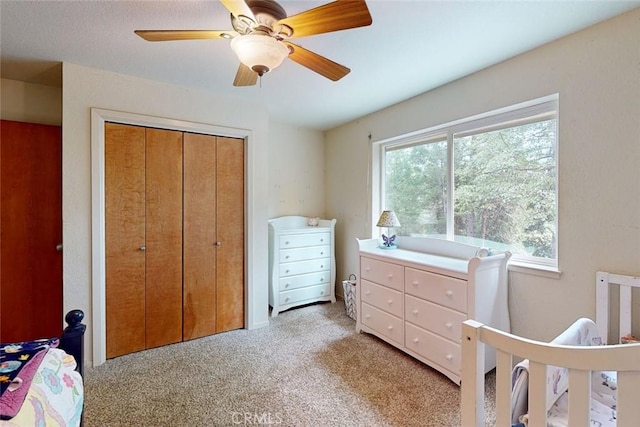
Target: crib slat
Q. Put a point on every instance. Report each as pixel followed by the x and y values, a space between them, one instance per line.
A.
pixel 472 387
pixel 503 388
pixel 537 394
pixel 627 400
pixel 602 306
pixel 625 311
pixel 579 397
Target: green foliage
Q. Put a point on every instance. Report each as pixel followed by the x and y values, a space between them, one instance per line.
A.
pixel 504 187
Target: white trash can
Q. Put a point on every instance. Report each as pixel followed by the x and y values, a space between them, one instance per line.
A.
pixel 349 292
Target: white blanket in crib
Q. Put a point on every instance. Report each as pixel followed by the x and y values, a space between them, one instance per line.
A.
pixel 582 332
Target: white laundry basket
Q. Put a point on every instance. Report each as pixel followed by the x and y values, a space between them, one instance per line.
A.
pixel 349 292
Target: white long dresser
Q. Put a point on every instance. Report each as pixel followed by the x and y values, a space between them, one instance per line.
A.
pixel 417 296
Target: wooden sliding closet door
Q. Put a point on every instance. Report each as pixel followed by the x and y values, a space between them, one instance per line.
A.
pixel 174 236
pixel 199 236
pixel 125 238
pixel 163 237
pixel 230 218
pixel 213 235
pixel 143 198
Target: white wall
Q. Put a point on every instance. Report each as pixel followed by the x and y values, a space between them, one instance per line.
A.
pixel 296 171
pixel 84 88
pixel 31 103
pixel 597 74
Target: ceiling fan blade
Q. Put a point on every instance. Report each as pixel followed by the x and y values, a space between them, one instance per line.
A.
pixel 317 63
pixel 238 8
pixel 336 16
pixel 169 35
pixel 245 76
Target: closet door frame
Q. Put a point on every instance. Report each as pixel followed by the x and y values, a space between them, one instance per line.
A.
pixel 98 243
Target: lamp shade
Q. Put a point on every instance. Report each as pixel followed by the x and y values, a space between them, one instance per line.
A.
pixel 388 219
pixel 261 53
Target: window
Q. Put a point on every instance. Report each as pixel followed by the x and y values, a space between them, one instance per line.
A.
pixel 490 181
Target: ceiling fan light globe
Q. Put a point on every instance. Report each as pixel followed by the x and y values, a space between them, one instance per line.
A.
pixel 261 53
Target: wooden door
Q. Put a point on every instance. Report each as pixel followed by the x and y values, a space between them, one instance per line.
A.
pixel 163 237
pixel 31 224
pixel 213 235
pixel 199 285
pixel 187 193
pixel 230 233
pixel 125 238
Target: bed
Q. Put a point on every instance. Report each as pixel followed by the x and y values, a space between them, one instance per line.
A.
pixel 573 380
pixel 41 381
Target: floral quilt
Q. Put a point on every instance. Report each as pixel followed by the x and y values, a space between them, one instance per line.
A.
pixel 55 397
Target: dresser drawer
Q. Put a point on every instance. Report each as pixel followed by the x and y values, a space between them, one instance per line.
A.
pixel 302 294
pixel 301 254
pixel 383 273
pixel 303 267
pixel 300 240
pixel 294 282
pixel 443 290
pixel 435 318
pixel 382 322
pixel 381 297
pixel 433 347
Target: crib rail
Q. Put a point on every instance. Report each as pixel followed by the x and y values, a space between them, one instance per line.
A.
pixel 580 361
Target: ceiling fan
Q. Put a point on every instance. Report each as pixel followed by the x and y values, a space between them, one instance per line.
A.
pixel 261 29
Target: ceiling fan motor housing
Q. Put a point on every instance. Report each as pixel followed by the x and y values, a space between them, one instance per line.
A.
pixel 266 11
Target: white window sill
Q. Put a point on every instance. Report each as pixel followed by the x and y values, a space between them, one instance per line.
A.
pixel 534 269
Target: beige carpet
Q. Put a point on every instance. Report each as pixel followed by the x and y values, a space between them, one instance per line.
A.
pixel 307 368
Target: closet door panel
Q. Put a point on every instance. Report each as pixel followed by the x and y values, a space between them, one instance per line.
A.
pixel 199 236
pixel 230 219
pixel 163 237
pixel 125 229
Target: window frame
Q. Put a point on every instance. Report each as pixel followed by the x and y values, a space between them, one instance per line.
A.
pixel 515 115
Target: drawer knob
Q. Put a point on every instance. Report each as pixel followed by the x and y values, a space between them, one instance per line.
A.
pixel 286 243
pixel 367 292
pixel 449 294
pixel 322 240
pixel 322 266
pixel 448 357
pixel 287 257
pixel 286 286
pixel 286 271
pixel 390 276
pixel 286 299
pixel 390 327
pixel 322 279
pixel 448 325
pixel 321 292
pixel 321 253
pixel 415 312
pixel 368 316
pixel 367 268
pixel 414 283
pixel 390 302
pixel 415 340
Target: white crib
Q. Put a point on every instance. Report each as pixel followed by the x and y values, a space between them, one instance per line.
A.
pixel 581 361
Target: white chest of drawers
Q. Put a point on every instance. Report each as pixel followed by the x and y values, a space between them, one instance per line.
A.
pixel 416 297
pixel 301 262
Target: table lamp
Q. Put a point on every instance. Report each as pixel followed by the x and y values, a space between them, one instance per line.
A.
pixel 388 219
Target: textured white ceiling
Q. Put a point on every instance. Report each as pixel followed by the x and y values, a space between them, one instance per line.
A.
pixel 411 47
